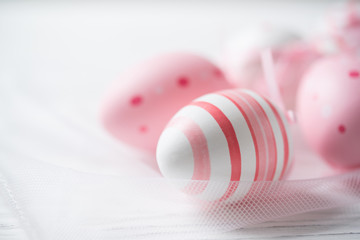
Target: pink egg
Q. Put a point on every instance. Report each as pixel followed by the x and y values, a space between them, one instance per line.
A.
pixel 233 136
pixel 290 67
pixel 241 55
pixel 340 29
pixel 149 94
pixel 329 109
pixel 292 56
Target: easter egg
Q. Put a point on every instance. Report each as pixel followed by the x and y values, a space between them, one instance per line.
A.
pixel 291 55
pixel 137 109
pixel 241 55
pixel 232 136
pixel 339 29
pixel 329 109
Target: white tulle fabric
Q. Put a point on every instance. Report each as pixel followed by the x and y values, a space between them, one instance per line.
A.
pixel 66 179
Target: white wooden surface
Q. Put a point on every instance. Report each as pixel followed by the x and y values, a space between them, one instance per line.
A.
pixel 10 227
pixel 342 223
pixel 52 50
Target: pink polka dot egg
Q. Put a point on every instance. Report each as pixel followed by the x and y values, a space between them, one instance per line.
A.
pixel 233 136
pixel 340 29
pixel 329 109
pixel 148 95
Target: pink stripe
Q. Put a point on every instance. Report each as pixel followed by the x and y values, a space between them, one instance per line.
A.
pixel 230 135
pixel 200 150
pixel 269 133
pixel 284 136
pixel 250 121
pixel 259 136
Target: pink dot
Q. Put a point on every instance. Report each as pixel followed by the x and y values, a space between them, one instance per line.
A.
pixel 218 73
pixel 143 129
pixel 136 100
pixel 281 89
pixel 315 97
pixel 341 128
pixel 354 74
pixel 183 82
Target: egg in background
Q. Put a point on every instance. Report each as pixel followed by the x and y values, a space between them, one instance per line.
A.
pixel 328 107
pixel 137 108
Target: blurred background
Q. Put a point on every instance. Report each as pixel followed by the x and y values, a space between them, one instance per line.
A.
pixel 64 55
pixel 68 52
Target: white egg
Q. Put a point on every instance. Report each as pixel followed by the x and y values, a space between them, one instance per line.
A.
pixel 231 136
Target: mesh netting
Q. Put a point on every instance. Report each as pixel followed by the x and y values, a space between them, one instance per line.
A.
pixel 116 193
pixel 59 203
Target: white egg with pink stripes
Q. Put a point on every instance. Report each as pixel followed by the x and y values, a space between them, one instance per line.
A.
pixel 232 136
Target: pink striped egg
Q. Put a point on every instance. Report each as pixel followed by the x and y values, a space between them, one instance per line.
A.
pixel 233 135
